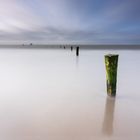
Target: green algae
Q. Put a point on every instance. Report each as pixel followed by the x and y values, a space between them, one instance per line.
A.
pixel 111 63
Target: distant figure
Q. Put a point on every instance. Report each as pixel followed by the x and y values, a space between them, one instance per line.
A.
pixel 71 48
pixel 64 47
pixel 77 51
pixel 31 44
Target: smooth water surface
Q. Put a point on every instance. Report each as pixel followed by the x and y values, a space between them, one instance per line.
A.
pixel 50 94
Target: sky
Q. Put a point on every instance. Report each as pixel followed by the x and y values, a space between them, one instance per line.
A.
pixel 70 21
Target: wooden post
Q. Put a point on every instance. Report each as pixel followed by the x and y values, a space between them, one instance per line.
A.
pixel 71 48
pixel 111 63
pixel 77 51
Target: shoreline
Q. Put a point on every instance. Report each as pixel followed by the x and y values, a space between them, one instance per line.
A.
pixel 88 47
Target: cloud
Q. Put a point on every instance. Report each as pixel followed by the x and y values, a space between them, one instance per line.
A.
pixel 95 21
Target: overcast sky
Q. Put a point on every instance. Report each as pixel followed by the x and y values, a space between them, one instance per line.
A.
pixel 70 21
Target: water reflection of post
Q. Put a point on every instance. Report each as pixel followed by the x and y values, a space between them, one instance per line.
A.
pixel 77 61
pixel 109 116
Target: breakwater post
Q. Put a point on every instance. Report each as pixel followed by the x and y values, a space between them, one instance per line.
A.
pixel 111 64
pixel 77 51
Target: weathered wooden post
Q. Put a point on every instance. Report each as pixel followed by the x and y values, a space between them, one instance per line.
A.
pixel 77 51
pixel 111 63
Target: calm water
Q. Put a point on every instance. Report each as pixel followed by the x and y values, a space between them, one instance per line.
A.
pixel 54 95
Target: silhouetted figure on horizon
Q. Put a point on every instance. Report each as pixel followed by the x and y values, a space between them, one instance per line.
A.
pixel 71 48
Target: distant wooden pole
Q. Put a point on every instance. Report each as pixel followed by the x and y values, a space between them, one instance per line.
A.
pixel 111 63
pixel 71 48
pixel 77 51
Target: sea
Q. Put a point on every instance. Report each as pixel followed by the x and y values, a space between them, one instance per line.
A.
pixel 49 93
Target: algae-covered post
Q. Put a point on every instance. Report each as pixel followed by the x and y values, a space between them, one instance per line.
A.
pixel 77 51
pixel 111 63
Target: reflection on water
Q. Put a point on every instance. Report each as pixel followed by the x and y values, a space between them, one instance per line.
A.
pixel 77 61
pixel 109 116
